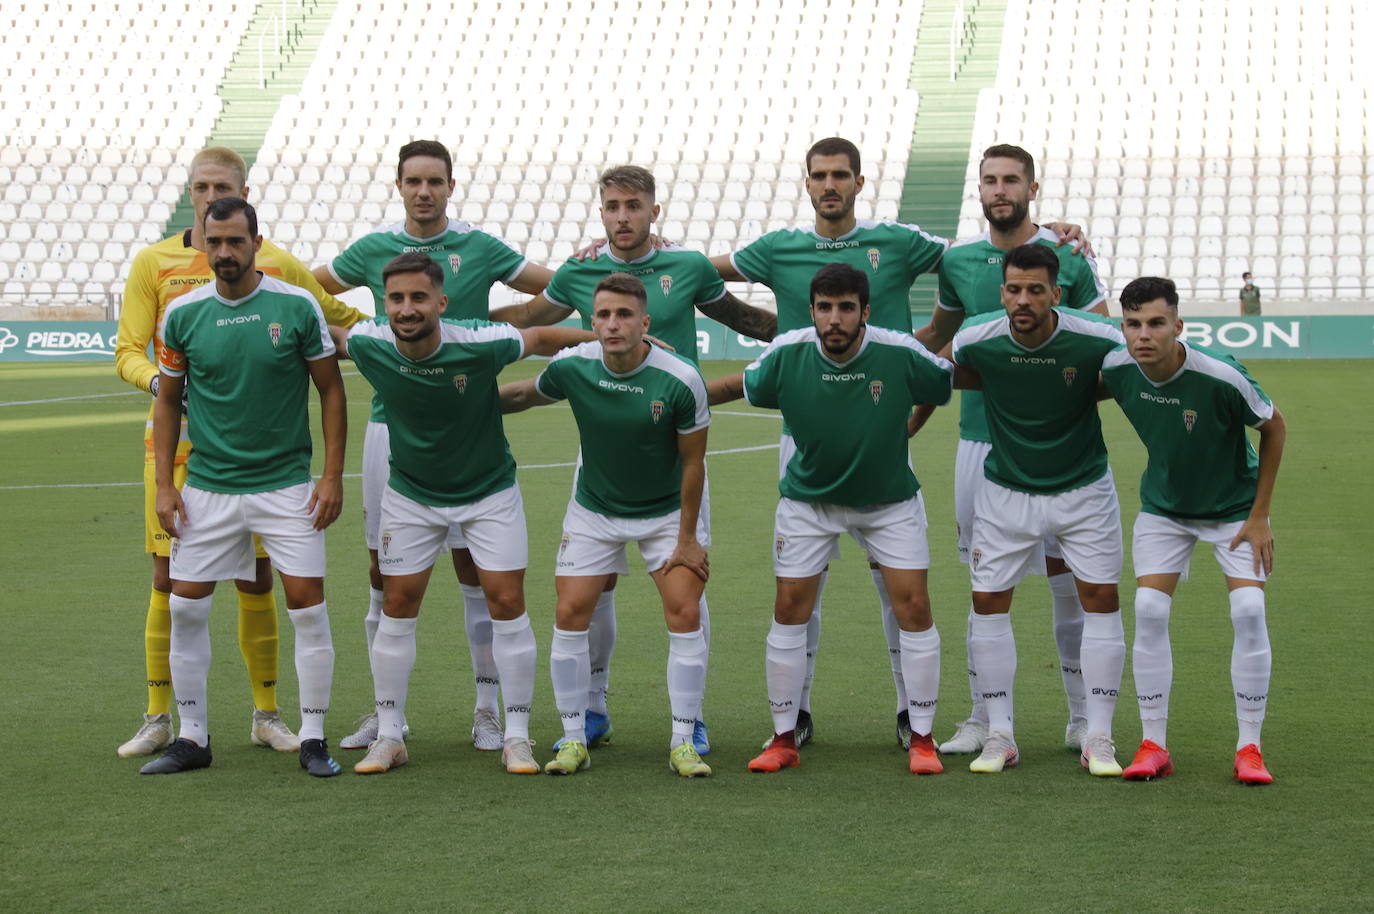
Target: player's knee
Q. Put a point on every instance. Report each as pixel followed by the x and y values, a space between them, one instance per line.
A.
pixel 302 592
pixel 1098 598
pixel 682 616
pixel 464 567
pixel 162 577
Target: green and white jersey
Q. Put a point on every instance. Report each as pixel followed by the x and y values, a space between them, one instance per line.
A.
pixel 245 363
pixel 448 446
pixel 629 426
pixel 1201 465
pixel 890 253
pixel 1041 403
pixel 677 281
pixel 971 282
pixel 848 420
pixel 472 261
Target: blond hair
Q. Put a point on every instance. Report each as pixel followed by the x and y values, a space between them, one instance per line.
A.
pixel 225 158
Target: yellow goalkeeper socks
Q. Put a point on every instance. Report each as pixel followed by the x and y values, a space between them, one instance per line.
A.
pixel 157 643
pixel 259 644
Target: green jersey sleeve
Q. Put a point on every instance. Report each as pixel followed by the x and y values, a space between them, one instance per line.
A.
pixel 503 262
pixel 925 252
pixel 761 376
pixel 548 383
pixel 755 261
pixel 711 286
pixel 350 266
pixel 562 288
pixel 1085 288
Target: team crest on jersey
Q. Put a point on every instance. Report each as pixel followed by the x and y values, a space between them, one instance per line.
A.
pixel 386 542
pixel 1069 374
pixel 875 390
pixel 274 331
pixel 665 283
pixel 563 544
pixel 656 410
pixel 455 263
pixel 874 255
pixel 975 557
pixel 460 381
pixel 1189 419
pixel 778 545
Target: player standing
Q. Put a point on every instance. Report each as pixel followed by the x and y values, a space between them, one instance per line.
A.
pixel 845 390
pixel 1046 475
pixel 472 261
pixel 642 418
pixel 1191 406
pixel 160 273
pixel 249 343
pixel 451 473
pixel 970 282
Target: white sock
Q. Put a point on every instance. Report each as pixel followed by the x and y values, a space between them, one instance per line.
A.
pixel 1152 660
pixel 1104 657
pixel 1251 660
pixel 477 621
pixel 314 666
pixel 190 663
pixel 686 682
pixel 891 631
pixel 512 644
pixel 374 615
pixel 920 656
pixel 1068 637
pixel 813 644
pixel 992 647
pixel 704 618
pixel 570 669
pixel 979 711
pixel 601 645
pixel 393 657
pixel 785 663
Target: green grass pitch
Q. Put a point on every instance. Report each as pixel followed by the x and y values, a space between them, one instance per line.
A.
pixel 848 830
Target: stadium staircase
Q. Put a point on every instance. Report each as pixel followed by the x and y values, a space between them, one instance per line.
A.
pixel 948 85
pixel 272 60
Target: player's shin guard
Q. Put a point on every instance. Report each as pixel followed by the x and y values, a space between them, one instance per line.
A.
pixel 157 642
pixel 785 662
pixel 393 657
pixel 1152 661
pixel 477 621
pixel 813 643
pixel 513 647
pixel 314 666
pixel 190 664
pixel 1068 638
pixel 992 648
pixel 979 709
pixel 1251 660
pixel 375 601
pixel 920 659
pixel 892 632
pixel 260 644
pixel 601 645
pixel 570 669
pixel 686 681
pixel 1104 657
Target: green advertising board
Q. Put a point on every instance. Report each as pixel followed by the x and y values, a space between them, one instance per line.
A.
pixel 1300 337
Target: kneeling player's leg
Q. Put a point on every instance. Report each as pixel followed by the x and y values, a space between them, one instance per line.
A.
pixel 259 638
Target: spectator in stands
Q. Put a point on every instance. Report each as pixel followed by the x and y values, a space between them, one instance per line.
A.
pixel 1249 296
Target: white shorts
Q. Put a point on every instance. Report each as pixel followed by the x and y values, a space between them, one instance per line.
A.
pixel 1009 528
pixel 806 535
pixel 216 542
pixel 413 534
pixel 1164 545
pixel 968 478
pixel 786 449
pixel 595 543
pixel 376 472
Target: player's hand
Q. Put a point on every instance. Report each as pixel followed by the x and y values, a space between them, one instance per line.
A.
pixel 1070 232
pixel 1257 533
pixel 690 555
pixel 655 341
pixel 588 252
pixel 326 502
pixel 171 511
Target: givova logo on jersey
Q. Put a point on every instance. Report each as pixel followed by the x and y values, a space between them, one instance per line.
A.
pixel 875 390
pixel 1189 419
pixel 656 410
pixel 460 382
pixel 274 333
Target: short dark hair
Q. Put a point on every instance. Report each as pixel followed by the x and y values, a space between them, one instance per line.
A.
pixel 1030 257
pixel 414 262
pixel 631 177
pixel 1246 275
pixel 226 207
pixel 1008 151
pixel 431 148
pixel 624 284
pixel 839 279
pixel 834 146
pixel 1146 289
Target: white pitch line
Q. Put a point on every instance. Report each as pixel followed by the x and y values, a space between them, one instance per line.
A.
pixel 129 393
pixel 525 466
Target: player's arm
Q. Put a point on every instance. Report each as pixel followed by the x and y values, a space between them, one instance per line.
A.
pixel 336 313
pixel 327 500
pixel 689 553
pixel 137 324
pixel 171 513
pixel 724 389
pixel 726 268
pixel 746 320
pixel 518 396
pixel 532 279
pixel 939 333
pixel 328 281
pixel 537 312
pixel 548 340
pixel 1256 530
pixel 340 337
